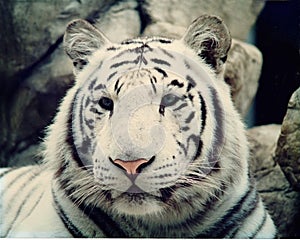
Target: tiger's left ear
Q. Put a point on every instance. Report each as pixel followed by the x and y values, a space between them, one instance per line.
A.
pixel 81 39
pixel 209 37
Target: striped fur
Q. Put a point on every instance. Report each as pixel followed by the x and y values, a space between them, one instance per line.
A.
pixel 159 101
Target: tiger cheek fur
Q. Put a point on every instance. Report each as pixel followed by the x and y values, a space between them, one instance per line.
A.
pixel 147 143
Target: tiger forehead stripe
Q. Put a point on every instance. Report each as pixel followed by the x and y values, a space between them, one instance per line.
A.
pixel 111 75
pixel 175 82
pixel 160 61
pixel 161 71
pixel 191 84
pixel 168 53
pixel 100 86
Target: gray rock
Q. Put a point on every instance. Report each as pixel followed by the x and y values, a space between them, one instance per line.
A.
pixel 280 199
pixel 121 22
pixel 242 72
pixel 176 16
pixel 288 146
pixel 38 25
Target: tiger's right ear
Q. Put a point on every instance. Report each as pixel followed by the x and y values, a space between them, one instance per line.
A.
pixel 81 40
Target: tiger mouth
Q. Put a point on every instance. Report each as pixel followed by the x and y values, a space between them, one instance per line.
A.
pixel 161 195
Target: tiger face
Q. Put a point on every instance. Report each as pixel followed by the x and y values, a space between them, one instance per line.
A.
pixel 145 136
pixel 143 129
pixel 148 115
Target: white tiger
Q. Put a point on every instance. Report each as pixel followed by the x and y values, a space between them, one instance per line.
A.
pixel 146 143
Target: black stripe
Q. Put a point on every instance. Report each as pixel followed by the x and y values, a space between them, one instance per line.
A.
pixel 117 84
pixel 35 204
pixel 175 82
pixel 161 40
pixel 190 117
pixel 89 123
pixel 130 41
pixel 112 48
pixel 166 52
pixel 119 89
pixel 216 148
pixel 7 172
pixel 193 220
pixel 182 147
pixel 15 180
pixel 161 71
pixel 191 83
pixel 160 61
pixel 95 110
pixel 152 80
pixel 21 206
pixel 70 138
pixel 181 106
pixel 25 199
pixel 136 61
pixel 100 86
pixel 199 149
pixel 249 207
pixel 107 225
pixel 80 114
pixel 234 217
pixel 198 144
pixel 91 86
pixel 111 75
pixel 87 102
pixel 73 230
pixel 203 112
pixel 261 224
pixel 185 128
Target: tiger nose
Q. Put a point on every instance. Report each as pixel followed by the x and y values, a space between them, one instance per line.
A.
pixel 133 167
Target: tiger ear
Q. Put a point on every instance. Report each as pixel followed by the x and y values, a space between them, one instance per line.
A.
pixel 210 39
pixel 81 39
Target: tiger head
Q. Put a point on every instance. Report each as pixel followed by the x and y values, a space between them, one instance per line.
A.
pixel 147 119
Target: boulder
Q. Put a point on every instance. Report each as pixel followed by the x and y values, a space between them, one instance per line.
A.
pixel 280 199
pixel 243 67
pixel 287 153
pixel 173 18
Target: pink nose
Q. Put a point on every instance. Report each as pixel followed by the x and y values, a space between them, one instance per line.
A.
pixel 130 166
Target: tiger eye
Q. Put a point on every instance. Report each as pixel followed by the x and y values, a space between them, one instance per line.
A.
pixel 169 100
pixel 106 103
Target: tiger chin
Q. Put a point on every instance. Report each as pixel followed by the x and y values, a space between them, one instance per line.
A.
pixel 146 143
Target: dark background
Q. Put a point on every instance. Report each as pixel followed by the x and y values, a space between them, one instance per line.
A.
pixel 278 38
